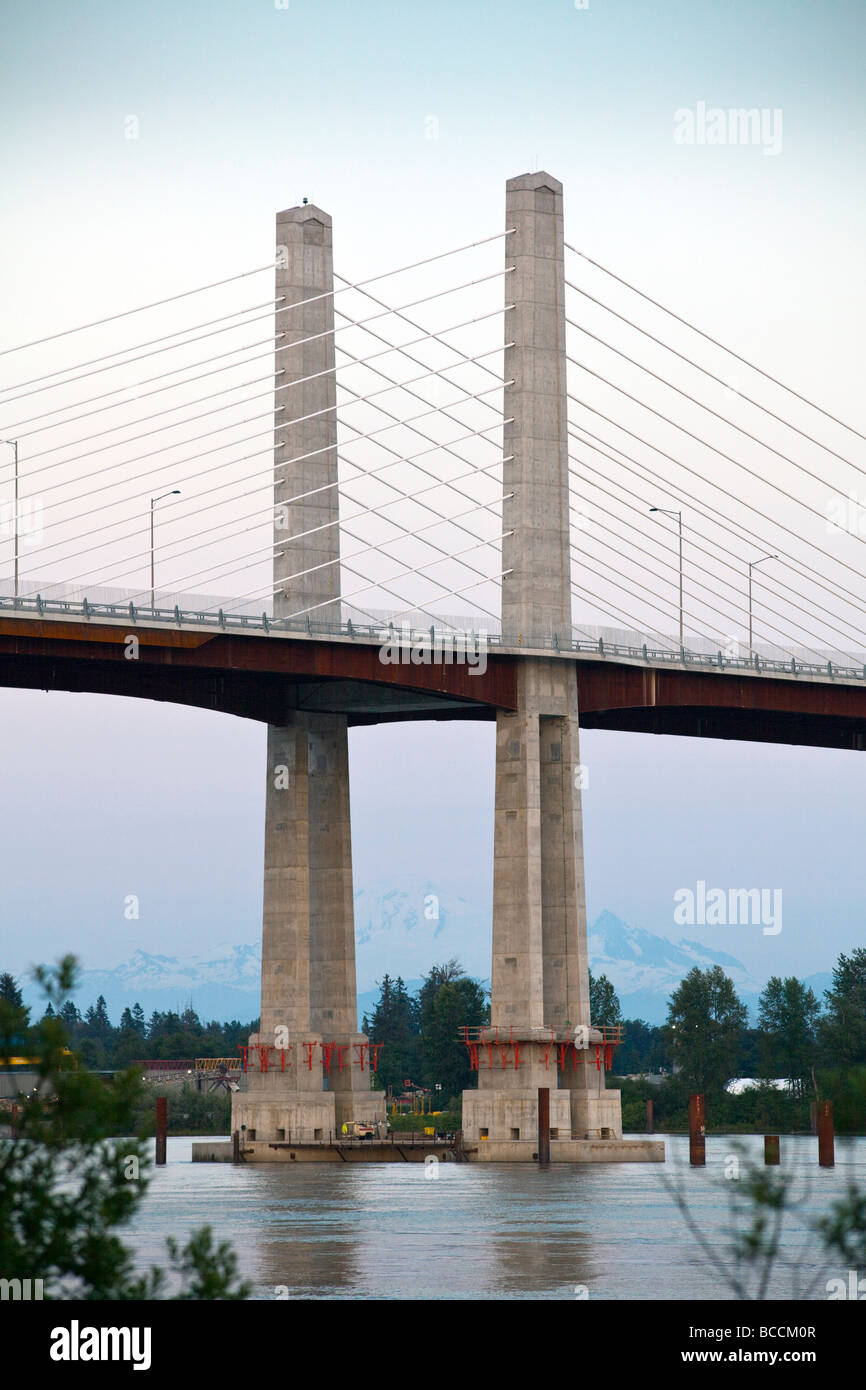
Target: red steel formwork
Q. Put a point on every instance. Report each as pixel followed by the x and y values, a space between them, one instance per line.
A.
pixel 362 1055
pixel 491 1046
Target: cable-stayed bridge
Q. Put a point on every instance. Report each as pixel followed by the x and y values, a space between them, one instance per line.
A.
pixel 499 481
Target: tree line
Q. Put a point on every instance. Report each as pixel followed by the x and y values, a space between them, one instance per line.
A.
pixel 103 1046
pixel 817 1047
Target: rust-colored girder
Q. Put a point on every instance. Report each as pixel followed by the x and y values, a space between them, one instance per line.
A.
pixel 263 677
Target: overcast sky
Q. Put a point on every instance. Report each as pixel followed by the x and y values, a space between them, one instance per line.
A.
pixel 403 121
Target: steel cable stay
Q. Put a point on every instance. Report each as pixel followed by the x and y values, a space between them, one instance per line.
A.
pixel 140 309
pixel 762 443
pixel 694 329
pixel 108 468
pixel 262 554
pixel 612 611
pixel 274 548
pixel 258 270
pixel 141 395
pixel 225 390
pixel 706 372
pixel 268 387
pixel 741 501
pixel 267 475
pixel 785 633
pixel 271 305
pixel 273 589
pixel 694 544
pixel 435 336
pixel 790 496
pixel 789 561
pixel 698 632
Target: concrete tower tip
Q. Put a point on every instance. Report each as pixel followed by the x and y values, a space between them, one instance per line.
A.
pixel 540 179
pixel 305 212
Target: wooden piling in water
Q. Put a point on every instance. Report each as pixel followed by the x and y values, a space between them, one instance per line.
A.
pixel 161 1130
pixel 544 1127
pixel 650 1122
pixel 826 1154
pixel 697 1132
pixel 771 1149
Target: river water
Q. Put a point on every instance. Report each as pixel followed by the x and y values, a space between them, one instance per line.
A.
pixel 489 1231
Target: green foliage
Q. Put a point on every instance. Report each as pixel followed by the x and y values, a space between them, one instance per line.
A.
pixel 446 1122
pixel 604 1007
pixel 67 1183
pixel 421 1035
pixel 706 1022
pixel 447 1000
pixel 189 1111
pixel 643 1048
pixel 787 1024
pixel 843 1027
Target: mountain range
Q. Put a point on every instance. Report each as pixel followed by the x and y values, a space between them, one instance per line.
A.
pixel 403 927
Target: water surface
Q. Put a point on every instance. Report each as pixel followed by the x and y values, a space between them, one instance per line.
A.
pixel 481 1231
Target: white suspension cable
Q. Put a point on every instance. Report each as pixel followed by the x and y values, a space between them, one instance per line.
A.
pixel 125 313
pixel 265 474
pixel 845 594
pixel 718 558
pixel 705 370
pixel 267 304
pixel 715 342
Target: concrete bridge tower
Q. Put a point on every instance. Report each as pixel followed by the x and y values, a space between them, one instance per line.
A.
pixel 308 935
pixel 540 986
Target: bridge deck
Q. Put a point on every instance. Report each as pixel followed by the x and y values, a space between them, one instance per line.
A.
pixel 258 672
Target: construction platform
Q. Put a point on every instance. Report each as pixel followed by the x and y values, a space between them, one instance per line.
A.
pixel 416 1149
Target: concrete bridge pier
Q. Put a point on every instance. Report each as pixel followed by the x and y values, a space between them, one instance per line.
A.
pixel 308 932
pixel 540 984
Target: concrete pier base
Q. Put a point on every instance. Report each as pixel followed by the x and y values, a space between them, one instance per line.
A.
pixel 401 1151
pixel 571 1151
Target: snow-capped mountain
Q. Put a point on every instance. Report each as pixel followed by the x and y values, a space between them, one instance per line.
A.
pixel 645 968
pixel 403 926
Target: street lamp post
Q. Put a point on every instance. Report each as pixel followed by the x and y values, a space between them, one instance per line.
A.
pixel 175 492
pixel 752 564
pixel 679 516
pixel 14 443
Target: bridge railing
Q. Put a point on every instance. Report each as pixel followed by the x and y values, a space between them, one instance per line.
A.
pixel 457 646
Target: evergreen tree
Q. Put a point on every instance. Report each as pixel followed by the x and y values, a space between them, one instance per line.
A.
pixel 705 1027
pixel 71 1019
pixel 66 1185
pixel 97 1022
pixel 9 991
pixel 393 1023
pixel 843 1027
pixel 444 1056
pixel 604 1006
pixel 787 1022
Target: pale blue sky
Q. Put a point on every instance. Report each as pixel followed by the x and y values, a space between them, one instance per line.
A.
pixel 245 108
